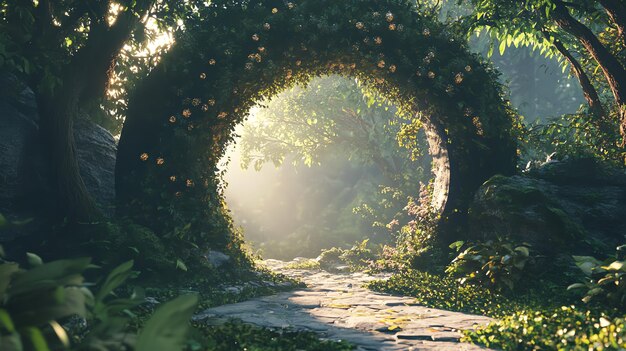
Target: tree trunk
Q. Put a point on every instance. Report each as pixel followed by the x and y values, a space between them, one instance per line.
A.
pixel 58 113
pixel 85 79
pixel 616 9
pixel 589 91
pixel 613 71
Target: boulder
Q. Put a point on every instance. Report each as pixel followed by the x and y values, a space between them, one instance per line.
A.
pixel 575 206
pixel 217 258
pixel 24 180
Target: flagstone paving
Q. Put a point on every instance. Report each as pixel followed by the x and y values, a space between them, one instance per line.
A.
pixel 338 307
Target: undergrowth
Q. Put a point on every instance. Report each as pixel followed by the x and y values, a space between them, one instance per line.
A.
pixel 544 317
pixel 233 336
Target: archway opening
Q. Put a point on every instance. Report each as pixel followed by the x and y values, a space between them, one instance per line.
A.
pixel 326 165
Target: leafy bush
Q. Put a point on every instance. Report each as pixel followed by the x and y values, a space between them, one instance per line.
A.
pixel 494 264
pixel 563 328
pixel 34 302
pixel 359 257
pixel 573 135
pixel 606 280
pixel 444 292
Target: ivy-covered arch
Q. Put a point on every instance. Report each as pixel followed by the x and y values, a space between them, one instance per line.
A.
pixel 233 54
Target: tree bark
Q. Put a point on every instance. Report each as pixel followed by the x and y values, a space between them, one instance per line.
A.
pixel 589 91
pixel 84 79
pixel 616 10
pixel 614 72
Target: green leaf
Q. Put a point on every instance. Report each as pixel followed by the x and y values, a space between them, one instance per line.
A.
pixel 11 342
pixel 181 265
pixel 33 260
pixel 523 250
pixel 36 339
pixel 616 266
pixel 6 271
pixel 576 286
pixel 116 278
pixel 167 329
pixel 61 272
pixel 456 246
pixel 5 322
pixel 586 263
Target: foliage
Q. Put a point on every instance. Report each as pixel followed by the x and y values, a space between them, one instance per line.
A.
pixel 330 113
pixel 439 291
pixel 240 336
pixel 495 264
pixel 309 264
pixel 606 281
pixel 167 328
pixel 359 257
pixel 40 296
pixel 589 28
pixel 562 328
pixel 571 136
pixel 330 258
pixel 35 301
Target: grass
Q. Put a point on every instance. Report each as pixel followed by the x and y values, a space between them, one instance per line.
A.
pixel 544 318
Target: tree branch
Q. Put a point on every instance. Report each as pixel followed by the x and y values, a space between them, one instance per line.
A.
pixel 616 10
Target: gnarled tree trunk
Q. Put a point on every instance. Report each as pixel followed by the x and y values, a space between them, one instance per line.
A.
pixel 84 79
pixel 614 72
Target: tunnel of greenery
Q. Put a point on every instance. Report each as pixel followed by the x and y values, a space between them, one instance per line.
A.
pixel 235 54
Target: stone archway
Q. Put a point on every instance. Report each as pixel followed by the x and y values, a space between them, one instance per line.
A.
pixel 234 53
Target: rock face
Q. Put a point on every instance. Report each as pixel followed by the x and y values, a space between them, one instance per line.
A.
pixel 578 206
pixel 24 183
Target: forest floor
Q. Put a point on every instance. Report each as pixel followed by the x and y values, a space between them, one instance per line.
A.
pixel 337 307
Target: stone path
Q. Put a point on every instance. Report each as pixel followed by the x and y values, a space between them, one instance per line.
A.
pixel 337 307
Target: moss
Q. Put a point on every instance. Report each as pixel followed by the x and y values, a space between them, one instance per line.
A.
pixel 546 317
pixel 239 336
pixel 305 264
pixel 562 224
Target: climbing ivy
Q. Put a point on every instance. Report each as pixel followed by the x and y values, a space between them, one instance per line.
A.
pixel 233 55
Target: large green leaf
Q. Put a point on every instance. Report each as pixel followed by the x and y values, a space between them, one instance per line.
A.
pixel 586 263
pixel 44 306
pixel 6 271
pixel 11 342
pixel 116 278
pixel 62 272
pixel 36 339
pixel 167 328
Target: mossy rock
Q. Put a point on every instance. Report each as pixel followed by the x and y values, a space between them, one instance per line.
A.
pixel 579 213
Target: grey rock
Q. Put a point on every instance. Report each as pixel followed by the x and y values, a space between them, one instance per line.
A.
pixel 575 206
pixel 96 152
pixel 217 258
pixel 25 189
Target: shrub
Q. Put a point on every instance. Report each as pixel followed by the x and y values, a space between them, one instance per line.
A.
pixel 494 264
pixel 606 280
pixel 34 302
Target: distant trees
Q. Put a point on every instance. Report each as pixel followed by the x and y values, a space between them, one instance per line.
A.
pixel 332 114
pixel 587 31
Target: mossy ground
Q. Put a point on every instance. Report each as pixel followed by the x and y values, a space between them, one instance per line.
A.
pixel 543 317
